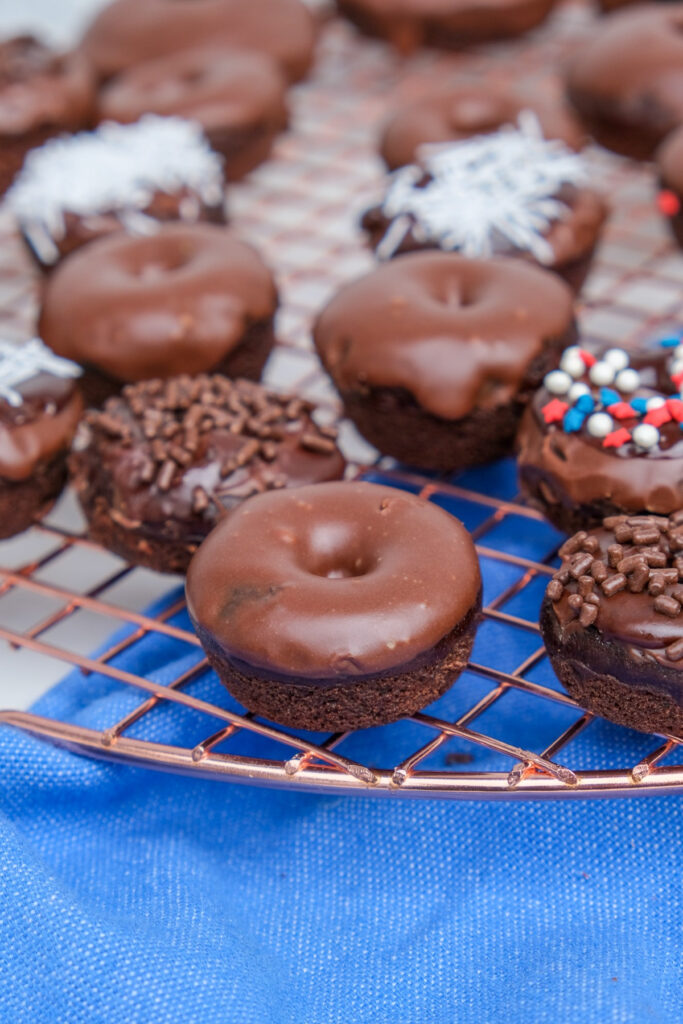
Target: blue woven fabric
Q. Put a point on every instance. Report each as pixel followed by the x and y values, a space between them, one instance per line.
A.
pixel 139 897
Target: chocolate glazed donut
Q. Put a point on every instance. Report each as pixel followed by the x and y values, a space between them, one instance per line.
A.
pixel 188 299
pixel 409 24
pixel 626 82
pixel 472 109
pixel 337 606
pixel 237 96
pixel 127 32
pixel 436 355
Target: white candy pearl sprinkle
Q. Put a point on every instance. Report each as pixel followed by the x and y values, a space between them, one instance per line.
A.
pixel 557 382
pixel 655 403
pixel 601 374
pixel 677 367
pixel 576 390
pixel 617 358
pixel 645 435
pixel 572 363
pixel 600 424
pixel 678 352
pixel 628 380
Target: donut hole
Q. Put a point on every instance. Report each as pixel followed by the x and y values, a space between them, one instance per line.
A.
pixel 343 566
pixel 334 551
pixel 162 262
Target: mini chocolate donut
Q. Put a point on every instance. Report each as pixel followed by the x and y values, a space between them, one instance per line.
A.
pixel 40 406
pixel 626 82
pixel 238 97
pixel 156 468
pixel 41 94
pixel 121 177
pixel 670 167
pixel 127 32
pixel 595 442
pixel 472 108
pixel 188 299
pixel 435 356
pixel 449 24
pixel 612 621
pixel 338 606
pixel 508 193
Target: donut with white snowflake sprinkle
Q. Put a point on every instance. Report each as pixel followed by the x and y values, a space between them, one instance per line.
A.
pixel 510 193
pixel 595 441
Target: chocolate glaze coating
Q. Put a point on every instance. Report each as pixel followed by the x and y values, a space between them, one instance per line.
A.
pixel 238 97
pixel 627 81
pixel 160 464
pixel 178 301
pixel 612 620
pixel 333 582
pixel 128 32
pixel 408 24
pixel 572 239
pixel 41 427
pixel 457 334
pixel 470 109
pixel 40 89
pixel 576 481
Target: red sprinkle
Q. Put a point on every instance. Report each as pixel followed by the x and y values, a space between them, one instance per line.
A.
pixel 616 438
pixel 668 203
pixel 677 378
pixel 554 411
pixel 675 407
pixel 588 357
pixel 658 416
pixel 621 411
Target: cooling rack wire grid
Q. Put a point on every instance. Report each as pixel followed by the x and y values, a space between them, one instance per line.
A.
pixel 506 729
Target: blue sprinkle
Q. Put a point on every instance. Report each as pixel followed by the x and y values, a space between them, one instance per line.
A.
pixel 670 342
pixel 609 397
pixel 640 405
pixel 584 403
pixel 573 420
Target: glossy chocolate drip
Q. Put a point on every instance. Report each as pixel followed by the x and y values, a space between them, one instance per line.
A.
pixel 139 307
pixel 344 579
pixel 455 333
pixel 623 579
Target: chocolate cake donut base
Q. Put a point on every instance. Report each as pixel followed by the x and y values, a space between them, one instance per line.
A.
pixel 356 703
pixel 592 670
pixel 244 148
pixel 568 518
pixel 392 421
pixel 24 501
pixel 246 360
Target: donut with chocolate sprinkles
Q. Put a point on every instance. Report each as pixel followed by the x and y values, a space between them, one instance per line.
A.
pixel 157 467
pixel 612 621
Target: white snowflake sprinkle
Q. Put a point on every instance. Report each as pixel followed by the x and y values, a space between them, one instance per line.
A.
pixel 19 363
pixel 479 190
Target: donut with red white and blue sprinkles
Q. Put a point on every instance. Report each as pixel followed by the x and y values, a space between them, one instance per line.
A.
pixel 596 441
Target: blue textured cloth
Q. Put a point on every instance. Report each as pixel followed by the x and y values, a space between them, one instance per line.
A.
pixel 134 896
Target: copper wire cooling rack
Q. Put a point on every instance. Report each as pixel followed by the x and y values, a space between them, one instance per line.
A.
pixel 300 209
